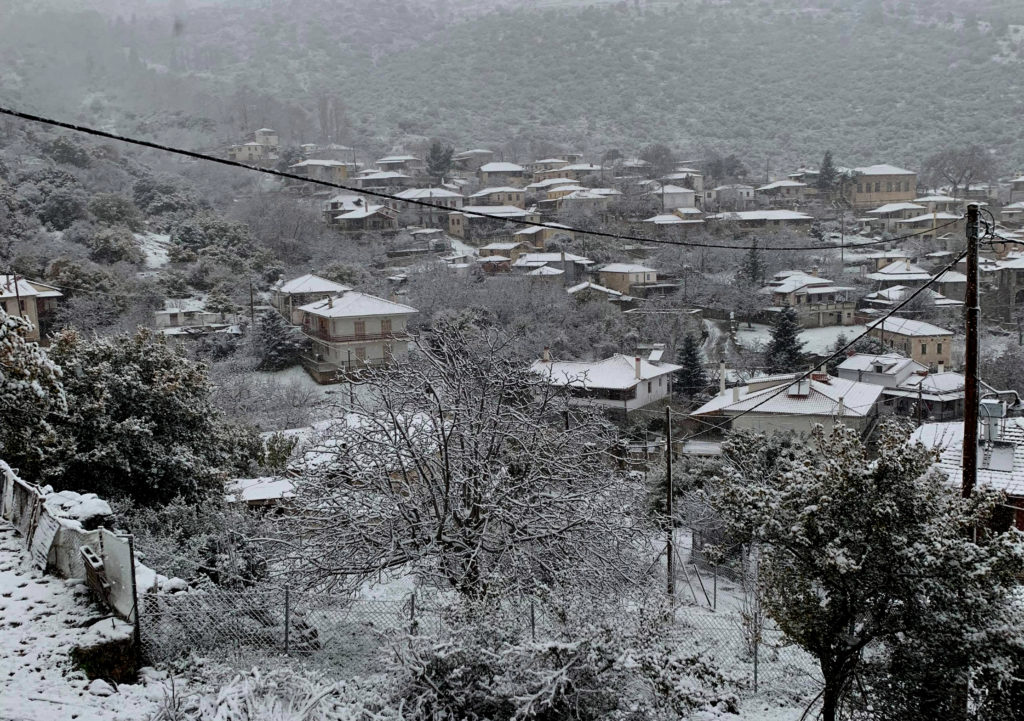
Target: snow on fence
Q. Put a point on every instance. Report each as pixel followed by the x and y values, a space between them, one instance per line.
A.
pixel 51 526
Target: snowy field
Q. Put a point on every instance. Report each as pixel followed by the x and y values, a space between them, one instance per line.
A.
pixel 154 247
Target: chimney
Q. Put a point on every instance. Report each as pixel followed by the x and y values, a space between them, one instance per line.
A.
pixel 330 301
pixel 637 364
pixel 942 367
pixel 735 394
pixel 547 355
pixel 814 271
pixel 841 408
pixel 721 376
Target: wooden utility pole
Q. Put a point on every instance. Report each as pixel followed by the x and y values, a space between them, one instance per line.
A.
pixel 970 453
pixel 670 545
pixel 252 308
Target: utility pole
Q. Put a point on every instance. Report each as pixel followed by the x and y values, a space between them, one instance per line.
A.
pixel 970 452
pixel 670 545
pixel 252 307
pixel 842 237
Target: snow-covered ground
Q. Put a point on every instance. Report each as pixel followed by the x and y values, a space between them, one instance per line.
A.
pixel 41 618
pixel 816 340
pixel 154 246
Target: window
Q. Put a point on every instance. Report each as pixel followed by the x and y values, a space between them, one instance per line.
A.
pixel 906 186
pixel 648 387
pixel 924 349
pixel 860 188
pixel 385 326
pixel 888 187
pixel 938 348
pixel 878 186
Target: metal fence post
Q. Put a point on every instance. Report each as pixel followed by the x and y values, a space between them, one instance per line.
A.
pixel 757 646
pixel 287 618
pixel 412 613
pixel 533 620
pixel 135 596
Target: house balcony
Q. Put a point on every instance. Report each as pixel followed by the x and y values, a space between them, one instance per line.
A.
pixel 317 334
pixel 324 371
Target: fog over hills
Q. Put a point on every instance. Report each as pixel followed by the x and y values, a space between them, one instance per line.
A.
pixel 774 82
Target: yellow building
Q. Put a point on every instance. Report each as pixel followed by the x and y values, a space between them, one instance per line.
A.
pixel 926 343
pixel 875 185
pixel 30 299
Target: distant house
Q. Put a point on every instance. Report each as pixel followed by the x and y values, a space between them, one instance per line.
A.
pixel 763 218
pixel 937 203
pixel 543 236
pixel 875 185
pixel 785 404
pixel 900 272
pixel 893 295
pixel 408 164
pixel 499 173
pixel 1013 213
pixel 289 295
pixel 251 152
pixel 32 300
pixel 622 277
pixel 503 195
pixel 341 204
pixel 583 201
pixel 888 370
pixel 543 186
pixel 933 226
pixel 735 196
pixel 587 291
pixel 781 192
pixel 383 180
pixel 368 218
pixel 546 164
pixel 352 330
pixel 926 343
pixel 331 171
pixel 469 161
pixel 882 258
pixel 1017 190
pixel 886 216
pixel 1000 454
pixel 674 196
pixel 510 250
pixel 574 266
pixel 933 396
pixel 817 301
pixel 620 384
pixel 467 225
pixel 448 200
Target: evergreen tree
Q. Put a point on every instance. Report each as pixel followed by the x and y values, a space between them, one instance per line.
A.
pixel 277 342
pixel 439 160
pixel 30 394
pixel 827 175
pixel 218 301
pixel 692 377
pixel 785 351
pixel 753 268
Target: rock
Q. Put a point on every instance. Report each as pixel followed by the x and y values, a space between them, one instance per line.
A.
pixel 99 687
pixel 106 650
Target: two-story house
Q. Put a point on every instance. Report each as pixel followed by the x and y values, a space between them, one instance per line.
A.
pixel 502 195
pixel 622 277
pixel 448 200
pixel 368 218
pixel 473 222
pixel 926 343
pixel 469 161
pixel 781 193
pixel 32 300
pixel 352 330
pixel 735 196
pixel 408 164
pixel 1017 190
pixel 817 301
pixel 886 216
pixel 331 171
pixel 874 185
pixel 502 174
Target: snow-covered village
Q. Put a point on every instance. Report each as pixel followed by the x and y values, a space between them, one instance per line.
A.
pixel 480 360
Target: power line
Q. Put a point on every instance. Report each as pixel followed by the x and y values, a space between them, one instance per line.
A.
pixel 422 203
pixel 785 386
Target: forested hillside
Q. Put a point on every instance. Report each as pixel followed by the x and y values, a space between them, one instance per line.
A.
pixel 778 82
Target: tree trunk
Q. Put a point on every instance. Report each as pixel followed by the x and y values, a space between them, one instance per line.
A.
pixel 830 699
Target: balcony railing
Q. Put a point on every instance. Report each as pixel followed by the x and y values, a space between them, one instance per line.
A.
pixel 318 334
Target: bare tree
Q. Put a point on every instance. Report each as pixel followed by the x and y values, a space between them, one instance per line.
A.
pixel 460 466
pixel 959 167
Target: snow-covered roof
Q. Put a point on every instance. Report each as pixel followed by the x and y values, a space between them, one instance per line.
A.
pixel 541 184
pixel 587 285
pixel 793 282
pixel 505 211
pixel 675 189
pixel 583 194
pixel 581 167
pixel 894 253
pixel 499 167
pixel 895 208
pixel 900 270
pixel 821 398
pixel 605 191
pixel 259 490
pixel 930 216
pixel 493 259
pixel 615 373
pixel 397 159
pixel 318 163
pixel 310 283
pixel 951 276
pixel 527 260
pixel 25 288
pixel 782 184
pixel 355 304
pixel 1001 467
pixel 534 229
pixel 897 293
pixel 512 245
pixel 891 363
pixel 908 326
pixel 665 219
pixel 419 193
pixel 546 270
pixel 935 199
pixel 626 268
pixel 359 213
pixel 384 175
pixel 491 191
pixel 761 215
pixel 882 169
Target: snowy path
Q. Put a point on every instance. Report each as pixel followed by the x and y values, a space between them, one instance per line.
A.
pixel 40 618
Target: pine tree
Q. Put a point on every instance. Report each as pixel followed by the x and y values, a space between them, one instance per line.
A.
pixel 278 344
pixel 753 269
pixel 692 377
pixel 785 351
pixel 827 174
pixel 439 160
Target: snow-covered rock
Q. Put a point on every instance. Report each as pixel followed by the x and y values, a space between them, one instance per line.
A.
pixel 99 687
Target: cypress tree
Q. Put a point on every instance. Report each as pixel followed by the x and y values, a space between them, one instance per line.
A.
pixel 692 377
pixel 785 351
pixel 827 174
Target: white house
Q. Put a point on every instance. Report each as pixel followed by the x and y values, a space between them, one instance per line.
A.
pixel 352 330
pixel 787 403
pixel 888 370
pixel 620 383
pixel 288 295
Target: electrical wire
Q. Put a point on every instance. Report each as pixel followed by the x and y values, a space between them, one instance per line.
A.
pixel 88 130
